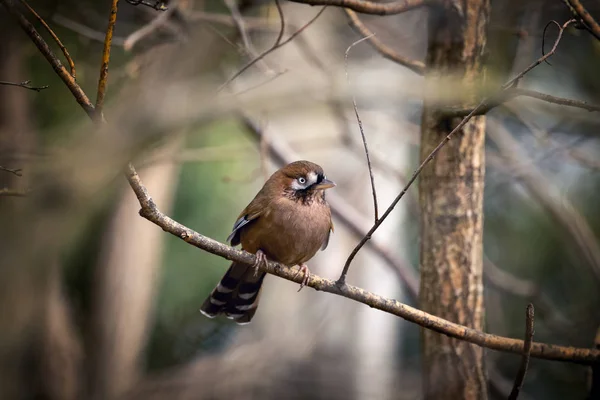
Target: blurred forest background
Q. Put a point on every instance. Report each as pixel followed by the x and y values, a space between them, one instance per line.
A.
pixel 98 303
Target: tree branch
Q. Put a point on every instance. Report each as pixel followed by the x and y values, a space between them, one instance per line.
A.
pixel 526 353
pixel 25 85
pixel 102 82
pixel 510 94
pixel 56 39
pixel 370 7
pixel 587 19
pixel 417 67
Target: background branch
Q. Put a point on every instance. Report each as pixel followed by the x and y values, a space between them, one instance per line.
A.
pixel 529 314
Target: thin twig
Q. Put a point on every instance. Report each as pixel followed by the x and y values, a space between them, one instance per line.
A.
pixel 240 25
pixel 84 30
pixel 25 85
pixel 270 50
pixel 360 126
pixel 370 7
pixel 17 172
pixel 510 94
pixel 509 84
pixel 529 314
pixel 56 39
pixel 416 66
pixel 281 22
pixel 102 82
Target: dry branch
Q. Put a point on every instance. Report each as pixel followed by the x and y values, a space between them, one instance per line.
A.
pixel 56 39
pixel 529 314
pixel 102 82
pixel 587 19
pixel 25 85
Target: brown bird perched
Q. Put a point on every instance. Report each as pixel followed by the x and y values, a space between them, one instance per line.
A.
pixel 287 222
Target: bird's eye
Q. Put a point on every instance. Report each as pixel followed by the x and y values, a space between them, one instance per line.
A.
pixel 302 180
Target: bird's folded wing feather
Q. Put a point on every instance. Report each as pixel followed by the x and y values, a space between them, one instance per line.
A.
pixel 326 242
pixel 250 213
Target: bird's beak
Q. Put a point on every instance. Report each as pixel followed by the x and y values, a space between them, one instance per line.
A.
pixel 324 184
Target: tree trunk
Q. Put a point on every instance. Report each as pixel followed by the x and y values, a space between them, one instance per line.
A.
pixel 451 200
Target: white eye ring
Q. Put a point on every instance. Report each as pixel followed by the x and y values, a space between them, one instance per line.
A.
pixel 302 180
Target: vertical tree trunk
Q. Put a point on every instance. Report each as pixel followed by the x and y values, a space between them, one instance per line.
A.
pixel 451 199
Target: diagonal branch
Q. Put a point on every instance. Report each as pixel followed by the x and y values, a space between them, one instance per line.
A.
pixel 278 43
pixel 507 85
pixel 371 7
pixel 56 39
pixel 43 47
pixel 417 67
pixel 587 19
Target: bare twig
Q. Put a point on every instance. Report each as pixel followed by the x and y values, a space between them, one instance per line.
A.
pixel 56 39
pixel 25 85
pixel 507 85
pixel 360 126
pixel 416 66
pixel 243 33
pixel 510 94
pixel 526 353
pixel 17 172
pixel 270 50
pixel 102 82
pixel 428 321
pixel 84 30
pixel 147 29
pixel 370 7
pixel 588 21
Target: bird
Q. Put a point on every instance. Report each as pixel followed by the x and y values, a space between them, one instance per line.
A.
pixel 288 221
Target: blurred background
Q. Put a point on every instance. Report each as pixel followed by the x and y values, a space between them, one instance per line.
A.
pixel 98 303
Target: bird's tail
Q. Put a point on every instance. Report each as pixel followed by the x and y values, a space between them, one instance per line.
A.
pixel 237 295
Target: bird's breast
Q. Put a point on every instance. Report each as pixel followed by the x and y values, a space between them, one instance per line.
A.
pixel 289 232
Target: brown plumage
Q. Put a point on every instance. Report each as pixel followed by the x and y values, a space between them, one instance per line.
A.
pixel 288 222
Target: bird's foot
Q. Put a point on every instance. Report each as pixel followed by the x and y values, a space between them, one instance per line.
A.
pixel 261 258
pixel 304 269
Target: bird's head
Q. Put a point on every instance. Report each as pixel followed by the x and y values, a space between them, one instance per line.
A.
pixel 304 180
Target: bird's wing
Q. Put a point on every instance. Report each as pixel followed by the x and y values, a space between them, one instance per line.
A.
pixel 326 242
pixel 249 214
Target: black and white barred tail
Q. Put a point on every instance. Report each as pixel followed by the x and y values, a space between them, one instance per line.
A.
pixel 237 295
